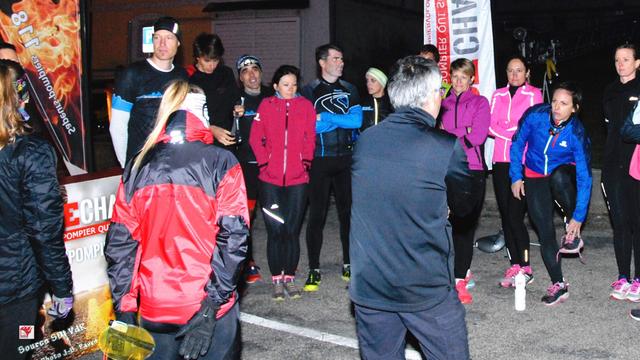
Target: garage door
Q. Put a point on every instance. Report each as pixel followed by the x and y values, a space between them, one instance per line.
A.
pixel 276 41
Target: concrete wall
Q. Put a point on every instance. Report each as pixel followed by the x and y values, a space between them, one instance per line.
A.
pixel 112 20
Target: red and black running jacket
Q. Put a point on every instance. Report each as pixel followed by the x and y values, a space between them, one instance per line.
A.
pixel 179 226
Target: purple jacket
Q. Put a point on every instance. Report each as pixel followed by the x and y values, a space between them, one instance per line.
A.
pixel 467 117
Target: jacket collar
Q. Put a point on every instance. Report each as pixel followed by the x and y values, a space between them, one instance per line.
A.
pixel 414 114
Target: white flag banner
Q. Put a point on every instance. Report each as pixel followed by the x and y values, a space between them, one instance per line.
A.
pixel 462 29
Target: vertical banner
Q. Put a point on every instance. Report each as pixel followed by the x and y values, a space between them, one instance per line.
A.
pixel 87 213
pixel 47 37
pixel 462 29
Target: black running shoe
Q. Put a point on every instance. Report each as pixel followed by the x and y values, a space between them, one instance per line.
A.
pixel 313 281
pixel 556 293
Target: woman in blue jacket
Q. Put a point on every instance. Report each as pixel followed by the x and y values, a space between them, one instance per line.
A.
pixel 556 168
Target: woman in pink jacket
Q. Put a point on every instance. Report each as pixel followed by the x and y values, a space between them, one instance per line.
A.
pixel 507 106
pixel 283 140
pixel 466 115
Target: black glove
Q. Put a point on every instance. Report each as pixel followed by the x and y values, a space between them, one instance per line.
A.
pixel 130 318
pixel 198 332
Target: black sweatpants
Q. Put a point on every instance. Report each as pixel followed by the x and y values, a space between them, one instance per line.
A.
pixel 440 330
pixel 250 173
pixel 225 344
pixel 542 194
pixel 19 313
pixel 327 173
pixel 464 227
pixel 283 211
pixel 512 213
pixel 623 197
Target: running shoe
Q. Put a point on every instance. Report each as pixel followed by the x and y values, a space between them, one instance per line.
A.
pixel 635 314
pixel 634 291
pixel 471 283
pixel 346 272
pixel 570 247
pixel 290 287
pixel 508 280
pixel 556 293
pixel 278 288
pixel 252 273
pixel 313 281
pixel 620 288
pixel 463 294
pixel 528 274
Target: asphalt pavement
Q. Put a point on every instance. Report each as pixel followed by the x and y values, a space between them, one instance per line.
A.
pixel 321 325
pixel 588 325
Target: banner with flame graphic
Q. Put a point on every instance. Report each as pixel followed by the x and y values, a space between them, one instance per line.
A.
pixel 47 37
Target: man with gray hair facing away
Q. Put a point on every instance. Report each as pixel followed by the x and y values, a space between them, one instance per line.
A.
pixel 401 247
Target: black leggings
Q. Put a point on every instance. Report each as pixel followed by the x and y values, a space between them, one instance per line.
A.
pixel 250 173
pixel 328 172
pixel 464 227
pixel 283 211
pixel 512 213
pixel 542 194
pixel 622 195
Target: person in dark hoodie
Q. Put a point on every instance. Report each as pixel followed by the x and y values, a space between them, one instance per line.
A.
pixel 401 246
pixel 219 85
pixel 251 94
pixel 376 106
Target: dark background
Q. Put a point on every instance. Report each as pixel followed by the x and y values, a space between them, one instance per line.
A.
pixel 378 32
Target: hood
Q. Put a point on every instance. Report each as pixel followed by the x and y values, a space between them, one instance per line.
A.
pixel 189 123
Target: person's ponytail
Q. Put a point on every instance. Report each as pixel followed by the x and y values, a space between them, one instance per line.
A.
pixel 171 100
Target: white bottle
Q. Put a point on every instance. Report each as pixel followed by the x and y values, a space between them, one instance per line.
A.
pixel 521 292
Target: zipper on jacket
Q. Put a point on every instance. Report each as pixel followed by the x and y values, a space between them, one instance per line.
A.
pixel 546 158
pixel 455 118
pixel 286 138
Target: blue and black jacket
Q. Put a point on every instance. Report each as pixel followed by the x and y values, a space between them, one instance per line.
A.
pixel 549 147
pixel 340 112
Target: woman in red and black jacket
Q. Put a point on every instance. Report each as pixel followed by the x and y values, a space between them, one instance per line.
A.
pixel 178 235
pixel 283 140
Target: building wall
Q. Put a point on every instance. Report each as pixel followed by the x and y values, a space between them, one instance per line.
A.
pixel 112 22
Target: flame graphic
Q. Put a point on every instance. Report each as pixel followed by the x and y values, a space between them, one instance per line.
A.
pixel 59 42
pixel 50 31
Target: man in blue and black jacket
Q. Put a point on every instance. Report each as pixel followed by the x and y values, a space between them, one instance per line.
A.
pixel 339 116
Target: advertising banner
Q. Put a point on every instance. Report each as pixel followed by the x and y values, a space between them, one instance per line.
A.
pixel 47 38
pixel 462 29
pixel 87 213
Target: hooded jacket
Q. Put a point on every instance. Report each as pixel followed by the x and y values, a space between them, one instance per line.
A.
pixel 467 117
pixel 506 112
pixel 283 140
pixel 32 251
pixel 400 241
pixel 180 224
pixel 547 149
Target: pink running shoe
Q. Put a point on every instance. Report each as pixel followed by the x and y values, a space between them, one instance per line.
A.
pixel 634 291
pixel 556 293
pixel 619 289
pixel 508 280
